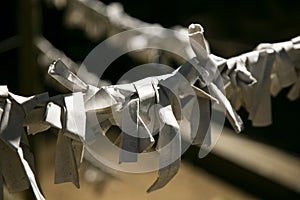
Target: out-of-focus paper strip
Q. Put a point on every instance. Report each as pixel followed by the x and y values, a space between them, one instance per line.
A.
pixel 3 91
pixel 169 148
pixel 11 130
pixel 75 115
pixel 34 101
pixel 233 117
pixel 189 72
pixel 146 139
pixel 275 85
pixel 197 42
pixel 260 113
pixel 13 172
pixel 101 101
pixel 66 161
pixel 11 124
pixel 72 122
pixel 284 69
pixel 203 135
pixel 129 137
pixel 28 156
pixel 146 94
pixel 53 115
pixel 286 66
pixel 294 93
pixel 35 121
pixel 59 71
pixel 202 94
pixel 30 176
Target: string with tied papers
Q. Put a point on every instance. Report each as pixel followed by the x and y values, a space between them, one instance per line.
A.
pixel 154 114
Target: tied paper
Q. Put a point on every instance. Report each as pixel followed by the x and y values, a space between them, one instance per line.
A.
pixel 127 106
pixel 245 77
pixel 17 165
pixel 274 66
pixel 128 114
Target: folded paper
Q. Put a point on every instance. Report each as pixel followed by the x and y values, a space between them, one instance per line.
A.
pixel 177 106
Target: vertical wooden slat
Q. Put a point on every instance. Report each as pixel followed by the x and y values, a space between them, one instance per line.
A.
pixel 29 26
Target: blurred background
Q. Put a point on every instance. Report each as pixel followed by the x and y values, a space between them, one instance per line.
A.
pixel 260 163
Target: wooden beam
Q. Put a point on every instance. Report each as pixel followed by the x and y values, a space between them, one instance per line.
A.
pixel 260 158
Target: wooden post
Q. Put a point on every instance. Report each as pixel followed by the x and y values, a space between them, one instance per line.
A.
pixel 29 26
pixel 29 76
